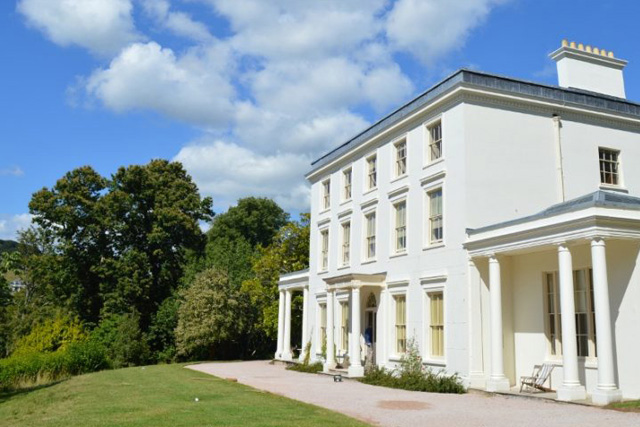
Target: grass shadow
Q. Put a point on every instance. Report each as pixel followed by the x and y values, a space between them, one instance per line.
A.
pixel 6 395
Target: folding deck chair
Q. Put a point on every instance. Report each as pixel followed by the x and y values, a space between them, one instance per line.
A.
pixel 538 378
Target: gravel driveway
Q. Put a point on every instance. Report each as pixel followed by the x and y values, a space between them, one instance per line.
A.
pixel 389 407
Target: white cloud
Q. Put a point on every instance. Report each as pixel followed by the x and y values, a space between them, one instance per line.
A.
pixel 178 22
pixel 101 26
pixel 11 224
pixel 191 87
pixel 430 28
pixel 12 171
pixel 227 172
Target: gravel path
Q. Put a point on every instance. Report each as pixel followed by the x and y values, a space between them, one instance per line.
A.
pixel 389 407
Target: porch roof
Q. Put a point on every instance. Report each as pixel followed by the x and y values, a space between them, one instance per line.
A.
pixel 355 280
pixel 294 280
pixel 604 214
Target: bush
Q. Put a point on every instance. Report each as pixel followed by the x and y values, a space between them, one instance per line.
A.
pixel 125 344
pixel 36 368
pixel 411 375
pixel 309 368
pixel 51 335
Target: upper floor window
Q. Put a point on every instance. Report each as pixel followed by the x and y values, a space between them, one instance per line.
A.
pixel 346 182
pixel 370 237
pixel 609 166
pixel 326 194
pixel 435 141
pixel 324 249
pixel 401 324
pixel 346 243
pixel 401 158
pixel 372 172
pixel 436 232
pixel 401 226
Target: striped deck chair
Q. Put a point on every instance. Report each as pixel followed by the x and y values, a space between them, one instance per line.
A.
pixel 538 378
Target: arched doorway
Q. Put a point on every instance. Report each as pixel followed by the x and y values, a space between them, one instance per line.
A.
pixel 371 329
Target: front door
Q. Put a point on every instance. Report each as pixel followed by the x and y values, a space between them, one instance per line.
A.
pixel 370 335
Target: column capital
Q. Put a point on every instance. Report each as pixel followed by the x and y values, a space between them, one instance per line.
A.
pixel 597 241
pixel 493 258
pixel 562 246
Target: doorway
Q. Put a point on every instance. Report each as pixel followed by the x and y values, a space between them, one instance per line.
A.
pixel 371 329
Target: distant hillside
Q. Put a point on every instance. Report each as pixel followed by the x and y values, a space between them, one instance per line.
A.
pixel 8 246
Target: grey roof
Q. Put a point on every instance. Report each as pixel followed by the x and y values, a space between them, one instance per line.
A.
pixel 484 80
pixel 597 199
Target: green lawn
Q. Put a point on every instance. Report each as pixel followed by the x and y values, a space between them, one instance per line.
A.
pixel 157 396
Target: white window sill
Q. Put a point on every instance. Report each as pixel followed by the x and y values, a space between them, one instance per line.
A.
pixel 433 246
pixel 323 272
pixel 368 261
pixel 346 202
pixel 435 362
pixel 433 163
pixel 396 357
pixel 324 210
pixel 399 254
pixel 398 178
pixel 369 191
pixel 610 187
pixel 344 267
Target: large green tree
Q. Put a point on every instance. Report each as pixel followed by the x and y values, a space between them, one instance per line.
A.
pixel 120 243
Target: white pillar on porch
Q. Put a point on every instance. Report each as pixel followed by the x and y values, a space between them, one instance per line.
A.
pixel 607 390
pixel 497 381
pixel 286 348
pixel 571 388
pixel 305 314
pixel 477 377
pixel 355 365
pixel 280 324
pixel 330 363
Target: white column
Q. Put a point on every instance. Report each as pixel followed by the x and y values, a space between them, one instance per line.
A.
pixel 497 381
pixel 381 344
pixel 355 367
pixel 330 363
pixel 607 390
pixel 305 314
pixel 286 348
pixel 477 377
pixel 571 388
pixel 280 325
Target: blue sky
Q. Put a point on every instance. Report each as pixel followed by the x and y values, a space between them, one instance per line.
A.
pixel 247 92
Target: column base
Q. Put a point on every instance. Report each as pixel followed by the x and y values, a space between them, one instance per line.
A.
pixel 355 371
pixel 276 356
pixel 571 393
pixel 477 380
pixel 286 356
pixel 328 366
pixel 604 397
pixel 498 384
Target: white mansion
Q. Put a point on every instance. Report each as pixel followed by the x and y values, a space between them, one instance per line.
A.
pixel 492 220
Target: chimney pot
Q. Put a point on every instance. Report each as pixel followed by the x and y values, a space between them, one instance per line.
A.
pixel 572 45
pixel 588 48
pixel 580 46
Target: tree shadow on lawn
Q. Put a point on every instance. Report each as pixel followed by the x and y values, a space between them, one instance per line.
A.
pixel 7 395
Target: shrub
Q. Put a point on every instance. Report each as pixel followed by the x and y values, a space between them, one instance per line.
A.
pixel 411 375
pixel 36 368
pixel 309 368
pixel 51 335
pixel 125 344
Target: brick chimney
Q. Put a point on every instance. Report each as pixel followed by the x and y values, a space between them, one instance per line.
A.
pixel 589 68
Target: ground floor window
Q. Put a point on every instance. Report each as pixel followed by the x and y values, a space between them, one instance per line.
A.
pixel 401 324
pixel 323 324
pixel 344 326
pixel 584 308
pixel 436 323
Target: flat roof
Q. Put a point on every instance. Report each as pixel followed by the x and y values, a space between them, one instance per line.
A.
pixel 575 97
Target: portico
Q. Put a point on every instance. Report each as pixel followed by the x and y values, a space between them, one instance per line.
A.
pixel 293 282
pixel 585 226
pixel 352 285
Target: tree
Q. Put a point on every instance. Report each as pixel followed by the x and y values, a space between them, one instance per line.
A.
pixel 288 252
pixel 211 318
pixel 120 243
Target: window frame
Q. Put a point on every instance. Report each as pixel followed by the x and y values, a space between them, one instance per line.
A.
pixel 431 142
pixel 397 350
pixel 369 172
pixel 324 252
pixel 616 175
pixel 347 184
pixel 322 324
pixel 325 198
pixel 429 217
pixel 345 243
pixel 396 228
pixel 430 295
pixel 366 253
pixel 398 161
pixel 344 324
